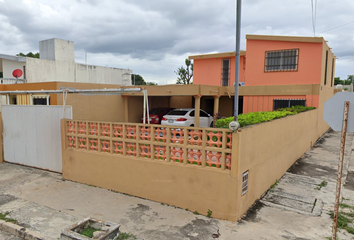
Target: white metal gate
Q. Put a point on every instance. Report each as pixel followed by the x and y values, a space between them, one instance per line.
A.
pixel 32 135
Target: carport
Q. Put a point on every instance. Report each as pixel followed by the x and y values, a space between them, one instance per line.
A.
pixel 182 96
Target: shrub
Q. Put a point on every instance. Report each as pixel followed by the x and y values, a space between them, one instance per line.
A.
pixel 258 117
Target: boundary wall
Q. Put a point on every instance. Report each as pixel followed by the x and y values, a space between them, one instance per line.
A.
pixel 194 168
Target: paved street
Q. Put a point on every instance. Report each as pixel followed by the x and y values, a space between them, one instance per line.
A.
pixel 297 207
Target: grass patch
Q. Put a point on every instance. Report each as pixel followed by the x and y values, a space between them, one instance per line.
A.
pixel 3 216
pixel 196 212
pixel 209 213
pixel 343 222
pixel 274 184
pixel 88 232
pixel 351 214
pixel 126 236
pixel 321 185
pixel 344 205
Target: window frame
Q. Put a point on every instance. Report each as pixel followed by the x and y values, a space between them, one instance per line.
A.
pixel 228 72
pixel 244 186
pixel 282 61
pixel 290 102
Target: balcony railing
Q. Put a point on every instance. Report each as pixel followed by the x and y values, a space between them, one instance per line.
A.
pixel 12 80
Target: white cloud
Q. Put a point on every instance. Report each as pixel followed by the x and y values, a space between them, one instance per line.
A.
pixel 154 37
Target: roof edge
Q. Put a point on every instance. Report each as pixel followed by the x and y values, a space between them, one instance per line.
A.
pixel 285 38
pixel 216 55
pixel 13 58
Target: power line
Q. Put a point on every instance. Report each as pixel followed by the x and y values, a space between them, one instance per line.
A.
pixel 337 26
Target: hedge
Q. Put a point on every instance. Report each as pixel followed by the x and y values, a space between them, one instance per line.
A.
pixel 258 117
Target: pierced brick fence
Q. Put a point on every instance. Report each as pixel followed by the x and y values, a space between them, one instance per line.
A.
pixel 204 147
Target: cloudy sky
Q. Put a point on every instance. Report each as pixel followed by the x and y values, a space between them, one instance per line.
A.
pixel 153 37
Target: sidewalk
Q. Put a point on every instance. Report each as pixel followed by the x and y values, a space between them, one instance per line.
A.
pixel 41 201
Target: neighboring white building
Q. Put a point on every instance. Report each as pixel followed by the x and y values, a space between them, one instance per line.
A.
pixel 57 63
pixel 344 87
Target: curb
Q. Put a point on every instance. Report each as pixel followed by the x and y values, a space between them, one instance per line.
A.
pixel 21 231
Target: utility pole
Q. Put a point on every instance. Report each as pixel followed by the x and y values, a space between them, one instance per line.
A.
pixel 237 56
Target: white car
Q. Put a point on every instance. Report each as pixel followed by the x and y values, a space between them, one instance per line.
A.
pixel 185 117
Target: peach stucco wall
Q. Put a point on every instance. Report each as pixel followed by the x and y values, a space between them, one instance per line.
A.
pixel 208 71
pixel 309 68
pixel 265 103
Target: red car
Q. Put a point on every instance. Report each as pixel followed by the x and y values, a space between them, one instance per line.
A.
pixel 156 115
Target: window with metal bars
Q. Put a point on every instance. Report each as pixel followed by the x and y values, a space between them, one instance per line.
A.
pixel 282 60
pixel 244 182
pixel 225 72
pixel 283 103
pixel 325 73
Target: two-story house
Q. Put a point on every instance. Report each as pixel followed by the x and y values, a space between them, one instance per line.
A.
pixel 270 62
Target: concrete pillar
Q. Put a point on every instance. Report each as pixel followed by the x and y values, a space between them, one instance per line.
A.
pixel 197 110
pixel 126 108
pixel 216 108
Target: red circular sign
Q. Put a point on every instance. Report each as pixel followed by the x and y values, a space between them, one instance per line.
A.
pixel 17 73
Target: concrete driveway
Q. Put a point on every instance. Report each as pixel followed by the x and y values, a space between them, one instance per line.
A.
pixel 44 202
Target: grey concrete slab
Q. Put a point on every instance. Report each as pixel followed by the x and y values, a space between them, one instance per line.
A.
pixel 321 161
pixel 8 236
pixel 42 201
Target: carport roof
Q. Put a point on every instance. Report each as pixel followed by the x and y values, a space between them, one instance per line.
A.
pixel 208 90
pixel 183 90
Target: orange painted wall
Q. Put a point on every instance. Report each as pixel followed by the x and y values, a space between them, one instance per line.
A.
pixel 265 103
pixel 309 68
pixel 208 71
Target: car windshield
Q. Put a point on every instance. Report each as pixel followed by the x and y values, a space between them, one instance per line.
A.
pixel 177 112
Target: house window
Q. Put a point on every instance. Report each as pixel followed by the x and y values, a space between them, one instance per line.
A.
pixel 325 73
pixel 282 60
pixel 40 100
pixel 332 79
pixel 244 183
pixel 283 103
pixel 225 72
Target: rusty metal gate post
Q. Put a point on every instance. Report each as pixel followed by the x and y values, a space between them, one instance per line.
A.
pixel 340 169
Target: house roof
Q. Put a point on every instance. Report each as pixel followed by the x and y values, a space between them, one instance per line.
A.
pixel 285 38
pixel 216 55
pixel 13 58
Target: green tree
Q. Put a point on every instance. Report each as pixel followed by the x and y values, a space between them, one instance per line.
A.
pixel 350 79
pixel 30 54
pixel 337 81
pixel 185 74
pixel 151 84
pixel 139 80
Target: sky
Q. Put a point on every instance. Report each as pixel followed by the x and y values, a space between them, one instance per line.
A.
pixel 154 37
